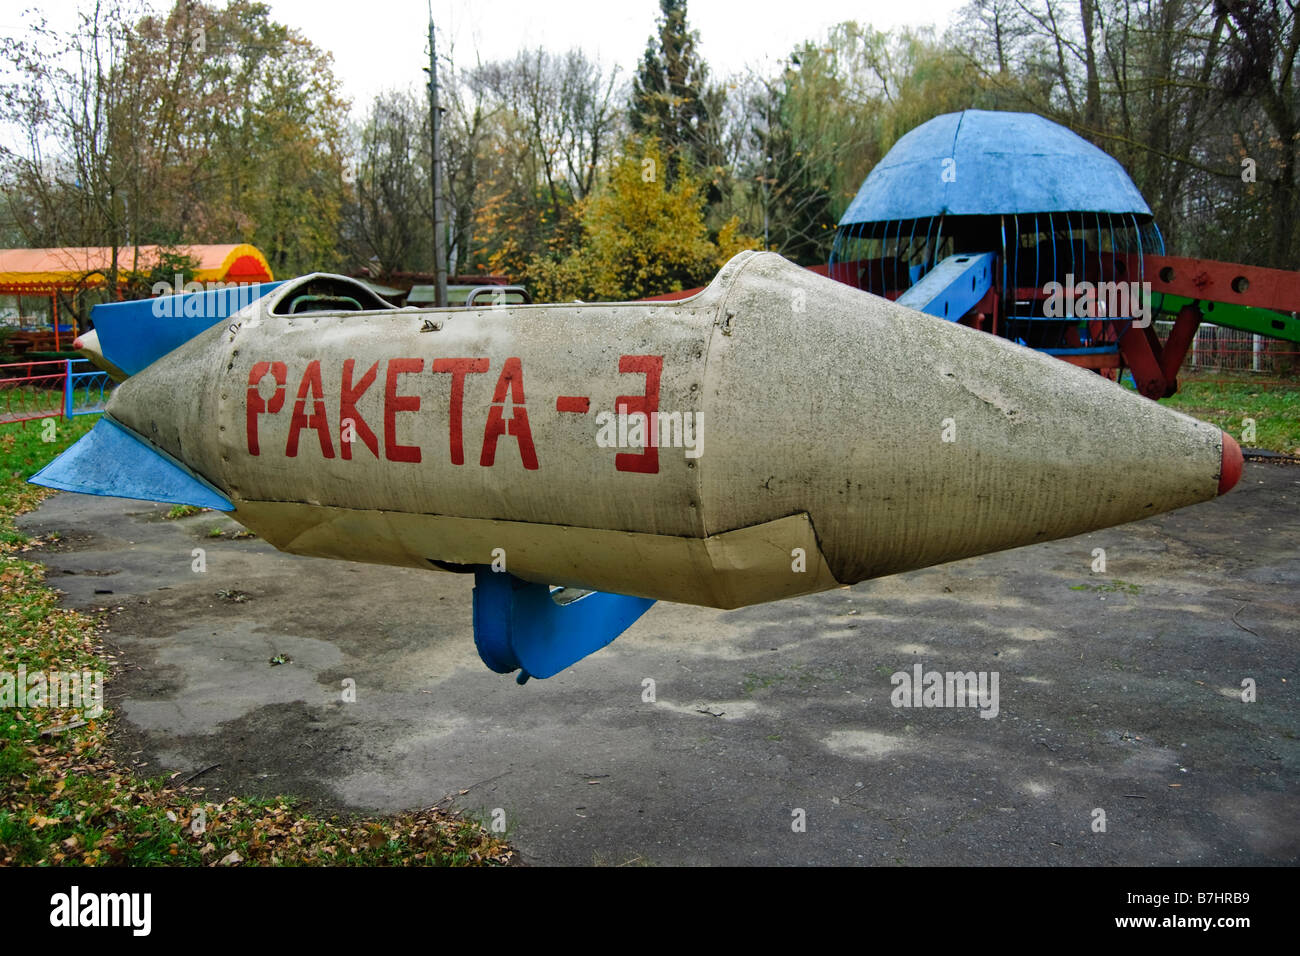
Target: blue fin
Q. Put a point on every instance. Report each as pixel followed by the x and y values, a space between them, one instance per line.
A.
pixel 113 461
pixel 517 625
pixel 135 334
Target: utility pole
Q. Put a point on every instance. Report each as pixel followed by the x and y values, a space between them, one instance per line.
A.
pixel 435 125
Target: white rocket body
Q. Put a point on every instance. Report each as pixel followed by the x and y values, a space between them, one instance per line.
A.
pixel 808 435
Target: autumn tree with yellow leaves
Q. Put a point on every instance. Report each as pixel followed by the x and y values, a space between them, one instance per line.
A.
pixel 639 236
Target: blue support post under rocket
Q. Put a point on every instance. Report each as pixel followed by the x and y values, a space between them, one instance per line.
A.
pixel 67 388
pixel 519 626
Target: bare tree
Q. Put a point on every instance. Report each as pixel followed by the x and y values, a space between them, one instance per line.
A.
pixel 385 221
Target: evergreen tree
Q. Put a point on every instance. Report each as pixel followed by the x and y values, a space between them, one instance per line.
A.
pixel 673 102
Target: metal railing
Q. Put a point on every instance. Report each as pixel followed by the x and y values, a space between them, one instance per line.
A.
pixel 50 389
pixel 88 391
pixel 1217 348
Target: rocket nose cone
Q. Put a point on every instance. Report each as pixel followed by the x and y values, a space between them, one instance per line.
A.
pixel 87 342
pixel 1230 471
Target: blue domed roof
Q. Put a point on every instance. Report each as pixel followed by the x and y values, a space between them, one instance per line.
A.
pixel 979 163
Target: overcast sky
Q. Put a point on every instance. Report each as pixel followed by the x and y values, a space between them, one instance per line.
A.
pixel 381 44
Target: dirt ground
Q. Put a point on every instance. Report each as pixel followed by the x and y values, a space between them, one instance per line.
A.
pixel 772 738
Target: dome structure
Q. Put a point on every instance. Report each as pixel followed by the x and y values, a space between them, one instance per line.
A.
pixel 1047 207
pixel 982 163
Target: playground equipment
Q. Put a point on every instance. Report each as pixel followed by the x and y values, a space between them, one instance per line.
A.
pixel 1011 224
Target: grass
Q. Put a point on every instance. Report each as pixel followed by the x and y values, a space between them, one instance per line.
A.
pixel 65 801
pixel 25 400
pixel 753 682
pixel 802 674
pixel 216 531
pixel 1226 401
pixel 183 511
pixel 23 452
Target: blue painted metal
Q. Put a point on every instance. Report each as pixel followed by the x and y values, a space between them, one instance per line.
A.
pixel 113 461
pixel 953 287
pixel 1051 231
pixel 1004 163
pixel 874 226
pixel 914 245
pixel 1089 350
pixel 1113 251
pixel 90 382
pixel 1002 221
pixel 133 335
pixel 1157 239
pixel 519 626
pixel 67 388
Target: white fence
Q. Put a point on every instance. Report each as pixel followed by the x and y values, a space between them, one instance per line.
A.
pixel 1233 350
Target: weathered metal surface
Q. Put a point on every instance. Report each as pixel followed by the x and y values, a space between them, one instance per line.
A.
pixel 980 162
pixel 87 343
pixel 1227 282
pixel 1237 296
pixel 1154 364
pixel 1245 318
pixel 824 414
pixel 737 568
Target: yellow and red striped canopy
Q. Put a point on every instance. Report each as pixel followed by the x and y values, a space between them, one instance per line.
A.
pixel 42 271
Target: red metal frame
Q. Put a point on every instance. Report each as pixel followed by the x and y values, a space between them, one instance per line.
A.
pixel 41 378
pixel 1227 282
pixel 1155 366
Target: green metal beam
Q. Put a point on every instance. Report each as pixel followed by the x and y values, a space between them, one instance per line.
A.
pixel 1275 325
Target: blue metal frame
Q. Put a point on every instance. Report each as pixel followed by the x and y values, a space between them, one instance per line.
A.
pixel 1054 170
pixel 92 379
pixel 927 261
pixel 1086 350
pixel 135 334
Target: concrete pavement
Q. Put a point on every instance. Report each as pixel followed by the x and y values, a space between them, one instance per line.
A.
pixel 1118 691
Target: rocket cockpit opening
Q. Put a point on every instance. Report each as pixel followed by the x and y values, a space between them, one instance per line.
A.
pixel 329 293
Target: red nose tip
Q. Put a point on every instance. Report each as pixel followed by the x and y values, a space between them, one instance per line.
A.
pixel 76 345
pixel 1230 470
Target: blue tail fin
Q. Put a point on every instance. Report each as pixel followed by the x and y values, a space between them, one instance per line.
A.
pixel 114 461
pixel 134 335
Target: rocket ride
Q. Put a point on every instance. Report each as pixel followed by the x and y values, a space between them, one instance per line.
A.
pixel 777 434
